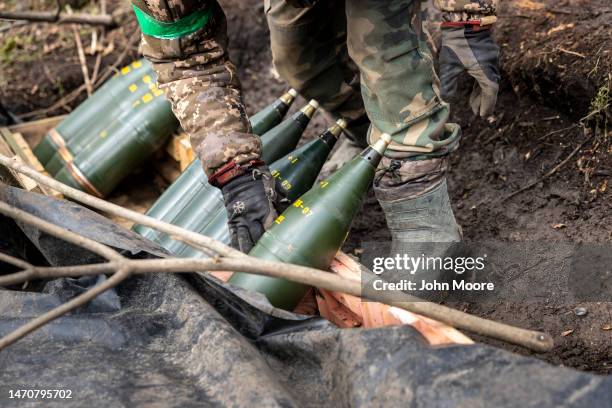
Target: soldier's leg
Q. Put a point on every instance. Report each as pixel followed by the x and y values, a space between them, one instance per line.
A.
pixel 401 96
pixel 309 51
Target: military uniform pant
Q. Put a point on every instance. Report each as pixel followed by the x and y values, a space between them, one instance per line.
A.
pixel 357 56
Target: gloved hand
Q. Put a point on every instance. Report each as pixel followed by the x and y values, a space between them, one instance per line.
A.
pixel 249 201
pixel 475 52
pixel 302 3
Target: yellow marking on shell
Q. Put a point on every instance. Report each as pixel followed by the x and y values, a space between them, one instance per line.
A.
pixel 324 183
pixel 104 133
pixel 298 203
pixel 147 79
pixel 158 92
pixel 133 88
pixel 293 159
pixel 125 70
pixel 279 219
pixel 275 173
pixel 136 64
pixel 135 104
pixel 286 185
pixel 147 98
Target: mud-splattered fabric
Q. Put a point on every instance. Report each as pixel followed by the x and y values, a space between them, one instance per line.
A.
pixel 335 49
pixel 200 82
pixel 466 10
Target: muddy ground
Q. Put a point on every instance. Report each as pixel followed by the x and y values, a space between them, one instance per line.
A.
pixel 556 62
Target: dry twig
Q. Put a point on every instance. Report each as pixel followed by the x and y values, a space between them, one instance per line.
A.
pixel 550 173
pixel 59 18
pixel 82 60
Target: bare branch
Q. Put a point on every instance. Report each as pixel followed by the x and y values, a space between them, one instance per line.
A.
pixel 67 307
pixel 189 237
pixel 549 173
pixel 82 60
pixel 14 261
pixel 59 232
pixel 313 277
pixel 61 18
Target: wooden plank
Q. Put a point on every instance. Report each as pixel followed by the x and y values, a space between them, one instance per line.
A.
pixel 34 131
pixel 14 145
pixel 378 315
pixel 10 176
pixel 185 153
pixel 179 148
pixel 172 148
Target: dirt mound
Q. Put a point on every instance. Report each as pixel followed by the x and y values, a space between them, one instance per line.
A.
pixel 558 51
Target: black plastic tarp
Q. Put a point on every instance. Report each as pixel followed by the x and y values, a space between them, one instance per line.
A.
pixel 162 340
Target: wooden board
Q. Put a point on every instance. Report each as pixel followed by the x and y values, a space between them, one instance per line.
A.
pixel 35 130
pixel 179 148
pixel 374 314
pixel 14 145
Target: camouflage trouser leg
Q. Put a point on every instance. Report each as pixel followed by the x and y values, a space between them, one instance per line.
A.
pixel 310 52
pixel 398 84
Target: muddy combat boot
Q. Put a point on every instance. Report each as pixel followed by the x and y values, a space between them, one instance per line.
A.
pixel 415 200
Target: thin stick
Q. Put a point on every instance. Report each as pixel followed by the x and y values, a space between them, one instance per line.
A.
pixel 308 276
pixel 558 131
pixel 550 173
pixel 14 261
pixel 18 277
pixel 82 60
pixel 62 18
pixel 60 103
pixel 112 68
pixel 61 310
pixel 96 70
pixel 60 232
pixel 179 233
pixel 577 54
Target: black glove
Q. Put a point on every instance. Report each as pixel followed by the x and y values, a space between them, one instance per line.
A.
pixel 249 202
pixel 475 52
pixel 302 3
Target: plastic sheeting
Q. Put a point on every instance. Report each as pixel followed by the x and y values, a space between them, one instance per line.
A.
pixel 189 340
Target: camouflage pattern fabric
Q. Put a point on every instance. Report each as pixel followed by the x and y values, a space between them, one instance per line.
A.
pixel 200 82
pixel 394 68
pixel 314 49
pixel 465 10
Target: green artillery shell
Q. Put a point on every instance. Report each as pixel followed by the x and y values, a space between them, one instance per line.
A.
pixel 311 231
pixel 167 206
pixel 276 142
pixel 296 173
pixel 272 114
pixel 89 116
pixel 126 144
pixel 283 138
pixel 193 182
pixel 123 102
